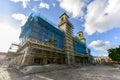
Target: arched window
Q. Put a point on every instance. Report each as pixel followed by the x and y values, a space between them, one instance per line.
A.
pixel 80 35
pixel 62 19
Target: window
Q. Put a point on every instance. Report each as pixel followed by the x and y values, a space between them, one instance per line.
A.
pixel 80 35
pixel 61 19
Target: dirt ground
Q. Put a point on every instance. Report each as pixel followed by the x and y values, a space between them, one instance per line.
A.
pixel 97 72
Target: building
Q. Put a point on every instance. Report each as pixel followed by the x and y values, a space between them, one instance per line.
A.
pixel 43 43
pixel 101 59
pixel 2 57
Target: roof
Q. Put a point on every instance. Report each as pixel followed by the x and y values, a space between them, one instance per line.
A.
pixel 64 14
pixel 80 32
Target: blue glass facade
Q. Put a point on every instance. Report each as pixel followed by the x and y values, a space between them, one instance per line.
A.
pixel 79 46
pixel 39 28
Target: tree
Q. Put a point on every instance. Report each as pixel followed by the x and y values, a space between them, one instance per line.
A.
pixel 114 54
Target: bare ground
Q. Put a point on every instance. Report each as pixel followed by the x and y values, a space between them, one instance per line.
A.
pixel 98 72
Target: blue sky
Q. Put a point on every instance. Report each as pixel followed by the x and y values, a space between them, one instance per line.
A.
pixel 98 19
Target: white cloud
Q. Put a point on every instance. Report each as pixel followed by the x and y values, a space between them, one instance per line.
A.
pixel 35 9
pixel 116 37
pixel 20 17
pixel 73 6
pixel 24 2
pixel 100 45
pixel 44 5
pixel 102 15
pixel 53 4
pixel 8 34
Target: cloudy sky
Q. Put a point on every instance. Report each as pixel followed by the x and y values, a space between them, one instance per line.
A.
pixel 98 19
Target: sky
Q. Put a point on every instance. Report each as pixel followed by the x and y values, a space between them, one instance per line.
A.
pixel 98 19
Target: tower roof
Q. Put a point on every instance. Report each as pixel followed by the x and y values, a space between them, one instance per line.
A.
pixel 79 32
pixel 64 14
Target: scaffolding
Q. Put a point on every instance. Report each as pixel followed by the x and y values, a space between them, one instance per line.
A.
pixel 41 30
pixel 79 46
pixel 41 42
